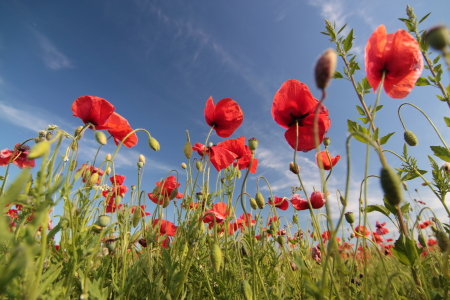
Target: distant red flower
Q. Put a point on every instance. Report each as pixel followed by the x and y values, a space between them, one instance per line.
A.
pixel 299 203
pixel 316 254
pixel 279 202
pixel 245 220
pixel 57 247
pixel 165 190
pixel 143 212
pixel 431 242
pixel 91 170
pixel 389 240
pixel 294 103
pixel 425 224
pixel 118 189
pixel 13 214
pixel 219 212
pixel 361 229
pixel 326 162
pixel 376 238
pixel 421 202
pixel 19 157
pixel 119 128
pixel 380 228
pixel 111 208
pixel 117 179
pixel 398 54
pixel 271 220
pixel 226 116
pixel 326 235
pixel 165 227
pixel 317 200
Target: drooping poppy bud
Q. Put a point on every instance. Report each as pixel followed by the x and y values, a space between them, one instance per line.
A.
pixel 108 156
pixel 349 217
pixel 183 166
pixel 108 171
pixel 443 240
pixel 154 144
pixel 73 165
pixel 142 158
pixel 422 240
pixel 78 134
pixel 187 149
pixel 246 290
pixel 392 187
pixel 49 135
pixel 343 200
pixel 103 221
pixel 198 165
pixel 100 137
pixel 325 67
pixel 216 257
pixel 438 37
pixel 294 168
pixel 253 144
pixel 140 164
pixel 410 138
pixel 259 198
pixel 295 219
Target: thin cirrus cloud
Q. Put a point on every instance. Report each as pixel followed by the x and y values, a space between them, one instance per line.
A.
pixel 52 57
pixel 332 10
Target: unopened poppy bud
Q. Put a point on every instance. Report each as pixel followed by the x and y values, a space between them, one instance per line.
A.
pixel 238 174
pixel 446 167
pixel 108 156
pixel 103 221
pixel 443 240
pixel 166 202
pixel 198 165
pixel 343 200
pixel 246 290
pixel 216 257
pixel 326 141
pixel 108 171
pixel 259 198
pixel 100 137
pixel 39 150
pixel 422 240
pixel 253 144
pixel 253 203
pixel 117 200
pixel 325 67
pixel 110 244
pixel 143 242
pixel 187 149
pixel 426 183
pixel 183 166
pixel 295 219
pixel 349 217
pixel 73 165
pixel 391 184
pixel 140 164
pixel 438 37
pixel 94 179
pixel 410 138
pixel 78 132
pixel 153 143
pixel 133 187
pixel 74 146
pixel 434 228
pixel 49 135
pixel 173 194
pixel 142 158
pixel 294 168
pixel 281 240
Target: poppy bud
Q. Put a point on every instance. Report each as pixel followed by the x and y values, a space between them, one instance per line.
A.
pixel 410 138
pixel 294 168
pixel 281 240
pixel 39 150
pixel 142 158
pixel 94 179
pixel 100 137
pixel 198 165
pixel 422 240
pixel 49 135
pixel 390 182
pixel 103 221
pixel 238 174
pixel 108 156
pixel 73 165
pixel 118 199
pixel 42 133
pixel 74 146
pixel 108 171
pixel 253 144
pixel 143 242
pixel 110 244
pixel 405 185
pixel 78 132
pixel 246 290
pixel 187 150
pixel 445 167
pixel 326 141
pixel 325 67
pixel 136 216
pixel 438 37
pixel 253 203
pixel 166 202
pixel 434 228
pixel 173 194
pixel 259 198
pixel 153 143
pixel 295 219
pixel 140 164
pixel 443 240
pixel 216 257
pixel 349 217
pixel 183 166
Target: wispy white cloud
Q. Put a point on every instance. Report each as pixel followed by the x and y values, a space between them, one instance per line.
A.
pixel 53 58
pixel 332 10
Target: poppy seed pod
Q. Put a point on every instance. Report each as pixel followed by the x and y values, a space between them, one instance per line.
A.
pixel 253 144
pixel 259 198
pixel 216 257
pixel 253 203
pixel 281 240
pixel 443 240
pixel 117 200
pixel 73 165
pixel 349 217
pixel 38 150
pixel 103 221
pixel 100 137
pixel 438 37
pixel 142 158
pixel 183 166
pixel 187 149
pixel 325 67
pixel 294 168
pixel 326 141
pixel 391 184
pixel 410 138
pixel 154 144
pixel 246 290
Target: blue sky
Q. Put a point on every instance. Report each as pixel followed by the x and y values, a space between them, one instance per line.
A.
pixel 159 61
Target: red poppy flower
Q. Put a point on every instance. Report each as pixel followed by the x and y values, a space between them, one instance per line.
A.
pixel 117 179
pixel 398 54
pixel 165 190
pixel 380 228
pixel 317 200
pixel 111 208
pixel 326 235
pixel 245 220
pixel 219 212
pixel 242 152
pixel 377 238
pixel 421 202
pixel 119 128
pixel 294 103
pixel 118 190
pixel 299 203
pixel 326 162
pixel 425 224
pixel 226 116
pixel 165 227
pixel 19 159
pixel 143 212
pixel 361 229
pixel 13 214
pixel 279 202
pixel 91 109
pixel 272 219
pixel 91 170
pixel 220 157
pixel 431 242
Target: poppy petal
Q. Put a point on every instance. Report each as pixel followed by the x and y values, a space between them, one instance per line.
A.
pixel 306 133
pixel 227 117
pixel 91 109
pixel 119 128
pixel 237 146
pixel 221 157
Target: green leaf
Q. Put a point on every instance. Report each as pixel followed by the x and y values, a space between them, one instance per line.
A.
pixel 379 107
pixel 435 61
pixel 366 84
pixel 389 206
pixel 376 133
pixel 378 208
pixel 354 127
pixel 348 43
pixel 411 176
pixel 447 121
pixel 423 19
pixel 441 152
pixel 364 120
pixel 422 81
pixel 340 30
pixel 360 110
pixel 385 138
pixel 405 208
pixel 441 98
pixel 337 75
pixel 326 33
pixel 406 250
pixel 403 19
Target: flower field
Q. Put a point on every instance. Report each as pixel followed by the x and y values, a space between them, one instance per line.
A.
pixel 106 242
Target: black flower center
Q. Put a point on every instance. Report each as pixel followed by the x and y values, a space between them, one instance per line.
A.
pixel 298 119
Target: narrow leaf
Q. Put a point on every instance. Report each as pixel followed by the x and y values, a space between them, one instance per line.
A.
pixel 441 152
pixel 385 138
pixel 337 75
pixel 447 121
pixel 348 43
pixel 423 19
pixel 378 208
pixel 422 81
